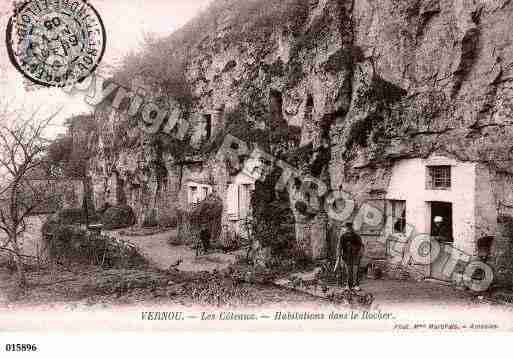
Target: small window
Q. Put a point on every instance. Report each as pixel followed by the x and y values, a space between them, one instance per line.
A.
pixel 233 202
pixel 208 127
pixel 193 194
pixel 439 177
pixel 244 200
pixel 397 211
pixel 309 102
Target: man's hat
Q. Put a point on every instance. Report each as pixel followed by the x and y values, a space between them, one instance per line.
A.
pixel 438 219
pixel 348 224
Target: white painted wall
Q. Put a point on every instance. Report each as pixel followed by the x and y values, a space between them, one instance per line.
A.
pixel 238 201
pixel 199 194
pixel 408 183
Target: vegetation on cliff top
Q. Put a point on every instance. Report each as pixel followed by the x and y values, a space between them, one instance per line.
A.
pixel 164 60
pixel 67 155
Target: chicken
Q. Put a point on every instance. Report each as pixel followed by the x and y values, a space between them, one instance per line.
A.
pixel 175 265
pixel 324 288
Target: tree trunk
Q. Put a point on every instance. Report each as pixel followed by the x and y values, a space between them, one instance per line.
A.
pixel 18 261
pixel 87 203
pixel 86 210
pixel 20 271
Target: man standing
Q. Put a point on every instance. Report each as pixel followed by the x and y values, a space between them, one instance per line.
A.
pixel 349 250
pixel 205 239
pixel 441 230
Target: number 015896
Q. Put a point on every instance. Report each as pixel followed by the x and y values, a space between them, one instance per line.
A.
pixel 20 347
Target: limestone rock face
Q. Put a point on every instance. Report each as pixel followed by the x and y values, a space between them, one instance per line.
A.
pixel 447 60
pixel 434 78
pixel 378 80
pixel 392 78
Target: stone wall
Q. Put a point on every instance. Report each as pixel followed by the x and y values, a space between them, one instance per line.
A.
pixel 502 252
pixel 502 247
pixel 55 195
pixel 390 80
pixel 486 205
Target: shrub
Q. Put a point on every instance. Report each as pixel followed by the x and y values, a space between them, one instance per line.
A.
pixel 69 244
pixel 150 220
pixel 118 217
pixel 105 207
pixel 74 216
pixel 167 221
pixel 63 241
pixel 7 262
pixel 272 221
pixel 187 232
pixel 230 241
pixel 208 214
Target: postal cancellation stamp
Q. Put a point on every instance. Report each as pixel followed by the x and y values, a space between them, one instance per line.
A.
pixel 55 42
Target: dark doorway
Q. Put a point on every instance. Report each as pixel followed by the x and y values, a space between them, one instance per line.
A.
pixel 441 221
pixel 309 107
pixel 277 120
pixel 208 127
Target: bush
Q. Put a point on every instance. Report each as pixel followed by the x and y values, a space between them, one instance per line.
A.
pixel 63 241
pixel 74 216
pixel 208 215
pixel 187 232
pixel 168 221
pixel 230 241
pixel 69 244
pixel 150 220
pixel 118 217
pixel 105 207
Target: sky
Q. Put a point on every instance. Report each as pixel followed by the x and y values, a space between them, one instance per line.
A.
pixel 126 23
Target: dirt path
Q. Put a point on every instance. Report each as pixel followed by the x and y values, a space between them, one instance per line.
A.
pixel 158 250
pixel 394 292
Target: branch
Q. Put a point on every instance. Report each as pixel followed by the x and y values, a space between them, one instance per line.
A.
pixel 37 196
pixel 14 252
pixel 24 226
pixel 7 163
pixel 4 226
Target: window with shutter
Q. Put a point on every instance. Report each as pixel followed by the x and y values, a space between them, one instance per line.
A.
pixel 244 200
pixel 397 211
pixel 193 193
pixel 233 202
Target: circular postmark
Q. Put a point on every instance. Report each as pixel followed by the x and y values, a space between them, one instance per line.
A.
pixel 55 42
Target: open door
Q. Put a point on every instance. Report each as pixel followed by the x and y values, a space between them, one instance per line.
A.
pixel 441 222
pixel 441 230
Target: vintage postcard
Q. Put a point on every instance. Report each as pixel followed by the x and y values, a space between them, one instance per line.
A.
pixel 256 165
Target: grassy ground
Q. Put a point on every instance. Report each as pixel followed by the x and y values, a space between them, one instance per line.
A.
pixel 89 286
pixel 179 277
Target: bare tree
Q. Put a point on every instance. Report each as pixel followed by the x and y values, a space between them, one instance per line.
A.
pixel 23 185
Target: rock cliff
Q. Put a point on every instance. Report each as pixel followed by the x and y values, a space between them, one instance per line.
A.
pixel 375 80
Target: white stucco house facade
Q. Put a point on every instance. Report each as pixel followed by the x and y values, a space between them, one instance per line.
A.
pixel 237 203
pixel 461 193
